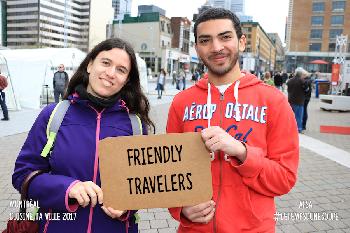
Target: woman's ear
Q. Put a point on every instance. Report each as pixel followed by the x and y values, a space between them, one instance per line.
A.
pixel 88 68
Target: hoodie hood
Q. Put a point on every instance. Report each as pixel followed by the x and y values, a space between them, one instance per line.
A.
pixel 245 81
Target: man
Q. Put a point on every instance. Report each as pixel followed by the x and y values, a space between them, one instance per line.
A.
pixel 60 83
pixel 296 95
pixel 184 75
pixel 278 81
pixel 3 85
pixel 248 126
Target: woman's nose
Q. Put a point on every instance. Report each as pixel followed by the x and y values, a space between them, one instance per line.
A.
pixel 110 71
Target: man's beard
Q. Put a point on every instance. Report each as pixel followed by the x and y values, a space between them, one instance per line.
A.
pixel 222 70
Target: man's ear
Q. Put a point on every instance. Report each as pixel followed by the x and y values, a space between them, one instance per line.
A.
pixel 242 42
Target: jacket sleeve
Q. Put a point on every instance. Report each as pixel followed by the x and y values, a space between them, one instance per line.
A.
pixel 50 190
pixel 274 172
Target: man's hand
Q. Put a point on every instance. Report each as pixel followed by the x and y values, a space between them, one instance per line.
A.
pixel 216 139
pixel 86 192
pixel 201 213
pixel 112 212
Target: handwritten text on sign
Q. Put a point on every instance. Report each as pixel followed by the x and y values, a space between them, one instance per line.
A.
pixel 155 171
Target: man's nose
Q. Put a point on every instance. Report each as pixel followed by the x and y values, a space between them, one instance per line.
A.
pixel 217 45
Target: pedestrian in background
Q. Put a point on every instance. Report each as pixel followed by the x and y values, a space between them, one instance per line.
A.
pixel 161 83
pixel 296 95
pixel 103 91
pixel 267 78
pixel 243 123
pixel 3 85
pixel 277 79
pixel 60 83
pixel 308 91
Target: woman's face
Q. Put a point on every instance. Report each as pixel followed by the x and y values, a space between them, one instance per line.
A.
pixel 108 73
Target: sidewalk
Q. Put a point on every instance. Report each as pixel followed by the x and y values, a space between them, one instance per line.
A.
pixel 323 185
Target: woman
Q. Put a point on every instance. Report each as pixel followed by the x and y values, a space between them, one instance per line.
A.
pixel 161 83
pixel 105 88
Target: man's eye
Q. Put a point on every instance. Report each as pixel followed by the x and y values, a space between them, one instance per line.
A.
pixel 202 41
pixel 227 37
pixel 105 63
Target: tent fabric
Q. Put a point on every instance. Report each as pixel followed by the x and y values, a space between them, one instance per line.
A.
pixel 320 62
pixel 29 69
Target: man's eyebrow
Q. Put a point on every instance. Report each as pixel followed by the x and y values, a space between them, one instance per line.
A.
pixel 220 34
pixel 224 33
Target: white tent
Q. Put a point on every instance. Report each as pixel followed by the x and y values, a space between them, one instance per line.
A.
pixel 28 70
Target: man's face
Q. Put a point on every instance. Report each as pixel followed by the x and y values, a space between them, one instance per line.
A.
pixel 218 46
pixel 61 68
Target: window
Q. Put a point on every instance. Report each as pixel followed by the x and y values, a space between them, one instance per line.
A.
pixel 333 33
pixel 317 20
pixel 315 47
pixel 338 5
pixel 331 47
pixel 318 7
pixel 337 19
pixel 316 34
pixel 162 25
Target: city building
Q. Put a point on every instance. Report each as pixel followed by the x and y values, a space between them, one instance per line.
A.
pixel 45 23
pixel 3 26
pixel 150 9
pixel 276 40
pixel 312 28
pixel 121 7
pixel 150 34
pixel 260 52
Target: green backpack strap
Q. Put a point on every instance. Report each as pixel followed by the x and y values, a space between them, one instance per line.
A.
pixel 136 124
pixel 54 124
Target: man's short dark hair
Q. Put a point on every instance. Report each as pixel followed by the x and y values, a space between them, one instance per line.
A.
pixel 218 13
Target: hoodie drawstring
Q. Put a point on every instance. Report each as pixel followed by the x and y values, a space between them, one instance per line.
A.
pixel 209 113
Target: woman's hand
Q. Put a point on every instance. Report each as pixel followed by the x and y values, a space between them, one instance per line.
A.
pixel 86 192
pixel 112 212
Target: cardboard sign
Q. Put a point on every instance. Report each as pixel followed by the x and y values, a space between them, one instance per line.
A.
pixel 155 171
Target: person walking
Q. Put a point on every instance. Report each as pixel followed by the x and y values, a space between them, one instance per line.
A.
pixel 278 81
pixel 103 91
pixel 3 85
pixel 308 90
pixel 161 83
pixel 239 118
pixel 296 87
pixel 60 83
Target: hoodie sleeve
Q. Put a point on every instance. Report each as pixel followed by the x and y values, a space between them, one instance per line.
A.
pixel 274 172
pixel 174 125
pixel 48 189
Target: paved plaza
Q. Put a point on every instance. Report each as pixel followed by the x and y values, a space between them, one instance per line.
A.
pixel 320 201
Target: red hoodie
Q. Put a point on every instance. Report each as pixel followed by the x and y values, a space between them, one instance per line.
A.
pixel 244 193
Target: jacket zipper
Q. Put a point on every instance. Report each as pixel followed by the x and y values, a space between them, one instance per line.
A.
pixel 220 175
pixel 97 138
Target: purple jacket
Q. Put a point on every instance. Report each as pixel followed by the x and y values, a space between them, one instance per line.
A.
pixel 74 157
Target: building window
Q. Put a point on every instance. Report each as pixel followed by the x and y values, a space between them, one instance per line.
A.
pixel 169 28
pixel 318 6
pixel 333 33
pixel 337 19
pixel 331 47
pixel 317 20
pixel 316 34
pixel 338 5
pixel 315 47
pixel 162 25
pixel 162 43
